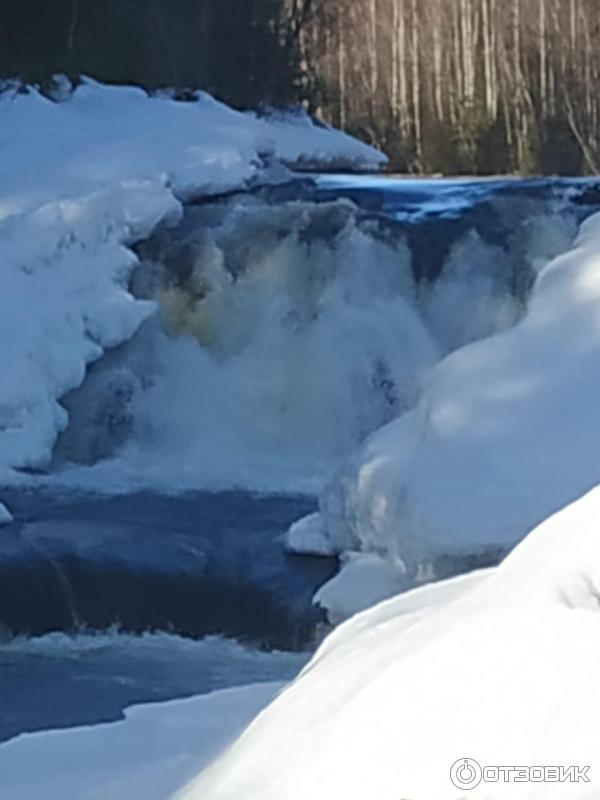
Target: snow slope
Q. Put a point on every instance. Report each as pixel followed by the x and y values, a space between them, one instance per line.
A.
pixel 158 749
pixel 505 674
pixel 82 179
pixel 506 432
pixel 148 756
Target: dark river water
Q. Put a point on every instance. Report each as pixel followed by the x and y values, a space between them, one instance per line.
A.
pixel 57 681
pixel 83 576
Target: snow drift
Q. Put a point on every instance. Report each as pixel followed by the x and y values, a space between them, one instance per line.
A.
pixel 505 674
pixel 505 433
pixel 160 748
pixel 80 181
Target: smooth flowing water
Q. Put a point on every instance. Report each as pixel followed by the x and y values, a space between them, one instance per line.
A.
pixel 57 681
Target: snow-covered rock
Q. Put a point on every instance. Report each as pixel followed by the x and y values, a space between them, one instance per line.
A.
pixel 405 609
pixel 309 537
pixel 80 180
pixel 505 674
pixel 364 580
pixel 5 516
pixel 506 432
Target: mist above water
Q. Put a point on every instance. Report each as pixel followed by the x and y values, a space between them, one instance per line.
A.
pixel 286 333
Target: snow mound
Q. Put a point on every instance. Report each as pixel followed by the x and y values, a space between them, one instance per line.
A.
pixel 506 432
pixel 5 516
pixel 364 580
pixel 309 537
pixel 81 180
pixel 506 673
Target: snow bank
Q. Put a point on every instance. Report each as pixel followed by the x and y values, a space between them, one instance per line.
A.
pixel 505 674
pixel 63 300
pixel 506 432
pixel 158 749
pixel 148 756
pixel 364 580
pixel 79 181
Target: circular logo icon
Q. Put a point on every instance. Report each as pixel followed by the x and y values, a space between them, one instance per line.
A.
pixel 466 773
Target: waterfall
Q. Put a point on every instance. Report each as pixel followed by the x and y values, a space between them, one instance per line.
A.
pixel 290 328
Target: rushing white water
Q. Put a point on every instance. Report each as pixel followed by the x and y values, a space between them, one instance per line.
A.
pixel 285 335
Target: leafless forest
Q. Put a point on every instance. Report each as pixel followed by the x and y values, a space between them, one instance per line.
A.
pixel 465 85
pixel 476 86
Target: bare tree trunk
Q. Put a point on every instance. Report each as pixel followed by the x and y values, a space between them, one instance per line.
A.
pixel 403 76
pixel 573 24
pixel 416 83
pixel 373 55
pixel 488 56
pixel 437 63
pixel 585 149
pixel 72 28
pixel 543 59
pixel 395 61
pixel 342 70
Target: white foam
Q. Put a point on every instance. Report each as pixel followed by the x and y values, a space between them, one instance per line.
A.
pixel 273 376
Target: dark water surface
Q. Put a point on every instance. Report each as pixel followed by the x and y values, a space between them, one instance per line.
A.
pixel 195 564
pixel 58 681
